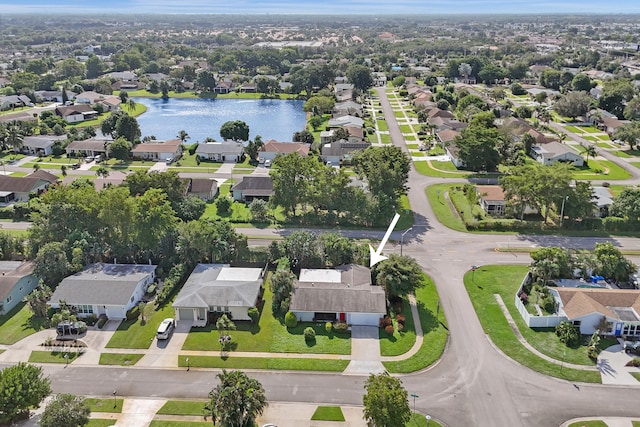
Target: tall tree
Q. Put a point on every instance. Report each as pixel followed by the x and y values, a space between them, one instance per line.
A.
pixel 478 148
pixel 38 299
pixel 119 149
pixel 627 204
pixel 183 136
pixel 52 264
pixel 292 176
pixel 399 275
pixel 65 410
pixel 360 77
pixel 573 104
pixel 629 133
pixel 385 401
pixel 236 401
pixel 236 130
pixel 22 387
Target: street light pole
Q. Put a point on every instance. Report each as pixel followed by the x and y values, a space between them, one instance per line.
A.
pixel 115 401
pixel 402 238
pixel 187 364
pixel 473 273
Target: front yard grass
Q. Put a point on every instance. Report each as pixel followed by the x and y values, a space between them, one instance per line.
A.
pixel 99 422
pixel 593 423
pixel 504 280
pixel 105 405
pixel 434 329
pixel 270 335
pixel 164 423
pixel 19 323
pixel 119 359
pixel 401 341
pixel 53 356
pixel 273 363
pixel 636 375
pixel 181 407
pixel 138 334
pixel 440 169
pixel 328 413
pixel 601 169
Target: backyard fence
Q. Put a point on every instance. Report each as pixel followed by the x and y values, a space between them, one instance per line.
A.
pixel 531 320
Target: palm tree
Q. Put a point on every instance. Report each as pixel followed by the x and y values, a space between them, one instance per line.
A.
pixel 562 137
pixel 102 172
pixel 236 401
pixel 590 150
pixel 14 137
pixel 183 136
pixel 124 96
pixel 131 104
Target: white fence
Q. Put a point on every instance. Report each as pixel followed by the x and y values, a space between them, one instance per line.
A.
pixel 531 320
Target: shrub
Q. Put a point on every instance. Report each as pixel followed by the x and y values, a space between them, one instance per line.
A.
pixel 389 329
pixel 568 333
pixel 309 334
pixel 400 318
pixel 328 327
pixel 634 362
pixel 223 204
pixel 341 327
pixel 101 322
pixel 91 319
pixel 133 313
pixel 290 320
pixel 385 321
pixel 400 326
pixel 254 314
pixel 151 289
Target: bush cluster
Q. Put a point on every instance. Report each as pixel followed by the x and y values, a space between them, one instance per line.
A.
pixel 290 320
pixel 341 327
pixel 309 334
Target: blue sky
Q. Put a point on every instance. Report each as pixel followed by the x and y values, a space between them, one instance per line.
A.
pixel 321 7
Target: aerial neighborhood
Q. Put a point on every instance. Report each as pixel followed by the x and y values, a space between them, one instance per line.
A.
pixel 414 209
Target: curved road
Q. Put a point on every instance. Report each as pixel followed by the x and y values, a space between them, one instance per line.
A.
pixel 474 384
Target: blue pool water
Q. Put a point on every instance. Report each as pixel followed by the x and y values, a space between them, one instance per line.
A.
pixel 202 118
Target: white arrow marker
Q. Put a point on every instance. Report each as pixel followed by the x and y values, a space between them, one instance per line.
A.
pixel 375 254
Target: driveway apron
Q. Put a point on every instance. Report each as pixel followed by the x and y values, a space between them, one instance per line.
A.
pixel 365 351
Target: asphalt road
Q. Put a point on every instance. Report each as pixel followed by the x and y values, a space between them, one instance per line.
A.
pixel 474 384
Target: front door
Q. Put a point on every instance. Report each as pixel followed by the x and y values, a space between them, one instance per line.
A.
pixel 343 317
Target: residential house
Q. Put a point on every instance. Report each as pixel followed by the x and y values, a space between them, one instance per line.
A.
pixel 227 151
pixel 611 124
pixel 19 189
pixel 338 151
pixel 108 102
pixel 123 85
pixel 213 289
pixel 20 116
pixel 379 79
pixel 14 101
pixel 347 108
pixel 51 95
pixel 442 123
pixel 202 188
pixel 16 282
pixel 76 113
pixel 453 152
pixel 39 145
pixel 158 150
pixel 603 201
pixel 271 149
pixel 493 200
pixel 253 187
pixel 110 289
pixel 553 152
pixel 123 75
pixel 344 121
pixel 247 87
pixel 588 309
pixel 436 112
pixel 223 87
pixel 87 147
pixel 344 91
pixel 344 293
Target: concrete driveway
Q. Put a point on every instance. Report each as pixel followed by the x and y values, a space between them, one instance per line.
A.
pixel 365 351
pixel 611 364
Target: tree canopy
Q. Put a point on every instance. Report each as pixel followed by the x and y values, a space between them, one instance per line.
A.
pixel 236 401
pixel 385 401
pixel 22 387
pixel 236 130
pixel 65 410
pixel 399 275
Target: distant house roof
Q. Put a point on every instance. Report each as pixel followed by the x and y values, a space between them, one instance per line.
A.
pixel 272 146
pixel 169 146
pixel 220 148
pixel 553 149
pixel 578 302
pixel 211 285
pixel 43 141
pixel 72 110
pixel 346 121
pixel 447 135
pixel 20 116
pixel 202 185
pixel 12 272
pixel 100 283
pixel 255 186
pixel 344 289
pixel 88 144
pixel 20 184
pixel 44 175
pixel 491 193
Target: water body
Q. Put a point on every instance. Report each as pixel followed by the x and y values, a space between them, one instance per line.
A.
pixel 202 118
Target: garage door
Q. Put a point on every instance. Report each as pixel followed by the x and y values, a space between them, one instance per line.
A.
pixel 364 319
pixel 115 312
pixel 185 313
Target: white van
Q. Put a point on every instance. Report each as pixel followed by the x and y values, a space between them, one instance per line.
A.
pixel 267 163
pixel 165 329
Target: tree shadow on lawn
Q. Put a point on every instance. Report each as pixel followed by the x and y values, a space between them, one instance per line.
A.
pixel 427 319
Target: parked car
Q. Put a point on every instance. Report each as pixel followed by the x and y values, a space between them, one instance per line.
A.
pixel 423 148
pixel 71 328
pixel 75 166
pixel 98 158
pixel 89 159
pixel 267 163
pixel 165 329
pixel 169 160
pixel 632 347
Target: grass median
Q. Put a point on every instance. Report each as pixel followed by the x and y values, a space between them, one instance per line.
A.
pixel 272 363
pixel 119 359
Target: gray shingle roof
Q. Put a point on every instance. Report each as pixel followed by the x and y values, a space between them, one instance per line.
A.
pixel 255 186
pixel 234 289
pixel 220 148
pixel 100 283
pixel 353 294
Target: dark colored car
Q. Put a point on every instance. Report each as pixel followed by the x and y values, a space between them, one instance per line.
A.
pixel 75 166
pixel 632 347
pixel 71 328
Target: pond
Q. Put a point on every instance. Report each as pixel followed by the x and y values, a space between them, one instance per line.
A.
pixel 202 118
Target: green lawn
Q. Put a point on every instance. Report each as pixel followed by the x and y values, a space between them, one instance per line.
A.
pixel 53 356
pixel 504 280
pixel 382 125
pixel 399 342
pixel 136 334
pixel 590 138
pixel 636 375
pixel 19 323
pixel 270 335
pixel 419 420
pixel 98 422
pixel 439 169
pixel 406 214
pixel 442 209
pixel 406 129
pixel 105 405
pixel 385 138
pixel 181 407
pixel 602 169
pixel 434 329
pixel 574 129
pixel 594 423
pixel 413 146
pixel 274 363
pixel 159 423
pixel 119 359
pixel 328 413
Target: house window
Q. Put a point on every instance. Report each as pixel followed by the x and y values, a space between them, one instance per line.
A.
pixel 577 323
pixel 226 309
pixel 85 309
